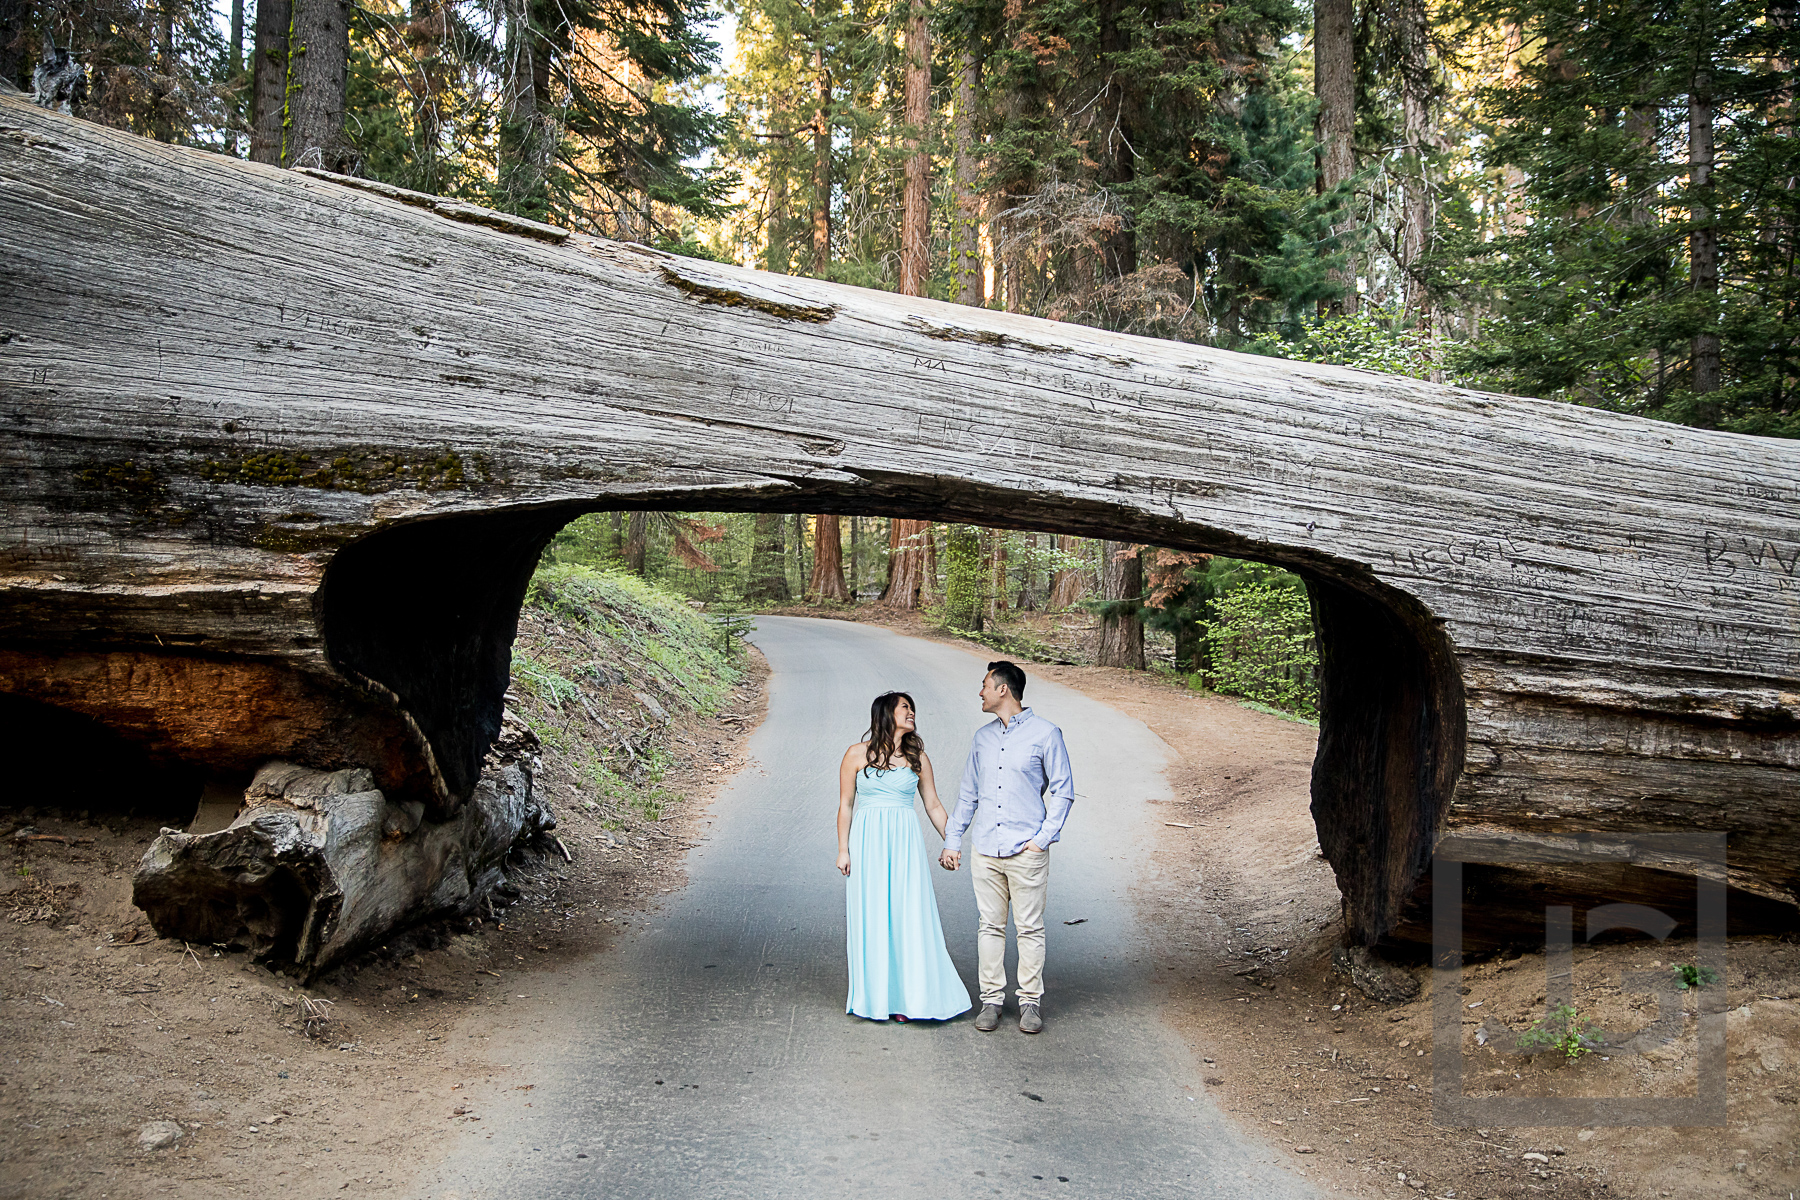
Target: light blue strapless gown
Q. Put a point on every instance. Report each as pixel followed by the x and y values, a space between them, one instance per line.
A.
pixel 898 963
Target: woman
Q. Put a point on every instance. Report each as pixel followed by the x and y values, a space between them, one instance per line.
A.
pixel 898 965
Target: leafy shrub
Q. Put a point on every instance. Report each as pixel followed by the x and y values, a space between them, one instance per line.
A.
pixel 1564 1030
pixel 1260 646
pixel 1688 975
pixel 966 579
pixel 1373 339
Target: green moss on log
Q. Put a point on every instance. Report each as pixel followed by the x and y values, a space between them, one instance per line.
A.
pixel 355 471
pixel 138 488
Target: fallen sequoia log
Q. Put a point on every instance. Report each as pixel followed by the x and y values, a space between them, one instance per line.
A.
pixel 320 863
pixel 282 451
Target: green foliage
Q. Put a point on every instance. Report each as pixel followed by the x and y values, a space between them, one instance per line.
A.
pixel 1595 294
pixel 1241 661
pixel 675 643
pixel 1373 339
pixel 1260 646
pixel 1688 975
pixel 1563 1030
pixel 615 792
pixel 733 628
pixel 966 579
pixel 544 683
pixel 587 541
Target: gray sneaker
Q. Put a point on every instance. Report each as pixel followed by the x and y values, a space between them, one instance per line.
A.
pixel 988 1019
pixel 1030 1019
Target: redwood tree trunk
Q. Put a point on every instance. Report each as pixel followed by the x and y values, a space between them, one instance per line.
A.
pixel 425 36
pixel 966 238
pixel 14 16
pixel 636 536
pixel 236 59
pixel 1069 585
pixel 828 561
pixel 915 221
pixel 1415 89
pixel 526 144
pixel 1122 632
pixel 778 228
pixel 1117 151
pixel 1334 83
pixel 998 560
pixel 906 562
pixel 821 222
pixel 247 576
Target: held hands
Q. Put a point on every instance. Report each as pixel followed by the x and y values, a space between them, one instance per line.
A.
pixel 844 862
pixel 950 859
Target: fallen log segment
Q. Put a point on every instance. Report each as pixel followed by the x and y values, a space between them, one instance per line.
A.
pixel 282 446
pixel 319 864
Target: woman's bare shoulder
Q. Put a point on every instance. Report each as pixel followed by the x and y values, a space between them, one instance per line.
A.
pixel 857 753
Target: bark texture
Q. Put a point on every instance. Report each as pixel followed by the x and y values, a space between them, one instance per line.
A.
pixel 637 542
pixel 821 181
pixel 965 239
pixel 1067 586
pixel 1415 105
pixel 827 582
pixel 1703 242
pixel 318 73
pixel 908 550
pixel 1121 630
pixel 1334 85
pixel 915 219
pixel 14 49
pixel 320 864
pixel 317 473
pixel 768 562
pixel 268 80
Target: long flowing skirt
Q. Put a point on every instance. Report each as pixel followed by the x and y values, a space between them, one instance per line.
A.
pixel 898 963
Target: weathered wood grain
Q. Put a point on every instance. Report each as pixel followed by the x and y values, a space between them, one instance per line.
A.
pixel 319 864
pixel 261 419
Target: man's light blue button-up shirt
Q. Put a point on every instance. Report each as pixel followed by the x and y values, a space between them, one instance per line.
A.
pixel 1016 787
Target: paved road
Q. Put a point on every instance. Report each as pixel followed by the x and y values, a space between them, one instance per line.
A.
pixel 732 996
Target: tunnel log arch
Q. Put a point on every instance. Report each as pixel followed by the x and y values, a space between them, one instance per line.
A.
pixel 219 379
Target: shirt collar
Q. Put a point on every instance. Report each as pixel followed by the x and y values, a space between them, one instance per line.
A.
pixel 1016 721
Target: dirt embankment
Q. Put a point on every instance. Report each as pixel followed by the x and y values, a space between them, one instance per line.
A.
pixel 260 1086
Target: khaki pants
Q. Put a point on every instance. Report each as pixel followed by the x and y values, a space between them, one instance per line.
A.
pixel 1018 882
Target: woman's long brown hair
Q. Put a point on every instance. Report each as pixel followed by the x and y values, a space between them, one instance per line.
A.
pixel 881 734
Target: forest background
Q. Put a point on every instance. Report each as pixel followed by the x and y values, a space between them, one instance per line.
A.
pixel 1590 201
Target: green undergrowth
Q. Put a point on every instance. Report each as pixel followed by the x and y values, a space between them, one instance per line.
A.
pixel 604 668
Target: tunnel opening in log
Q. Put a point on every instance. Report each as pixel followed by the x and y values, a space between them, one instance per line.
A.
pixel 1391 736
pixel 425 612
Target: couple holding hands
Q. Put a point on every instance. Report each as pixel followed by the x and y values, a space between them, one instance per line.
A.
pixel 1016 791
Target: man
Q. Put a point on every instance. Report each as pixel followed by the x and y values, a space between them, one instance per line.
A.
pixel 1016 790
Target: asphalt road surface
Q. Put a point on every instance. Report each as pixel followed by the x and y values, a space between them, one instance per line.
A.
pixel 709 1054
